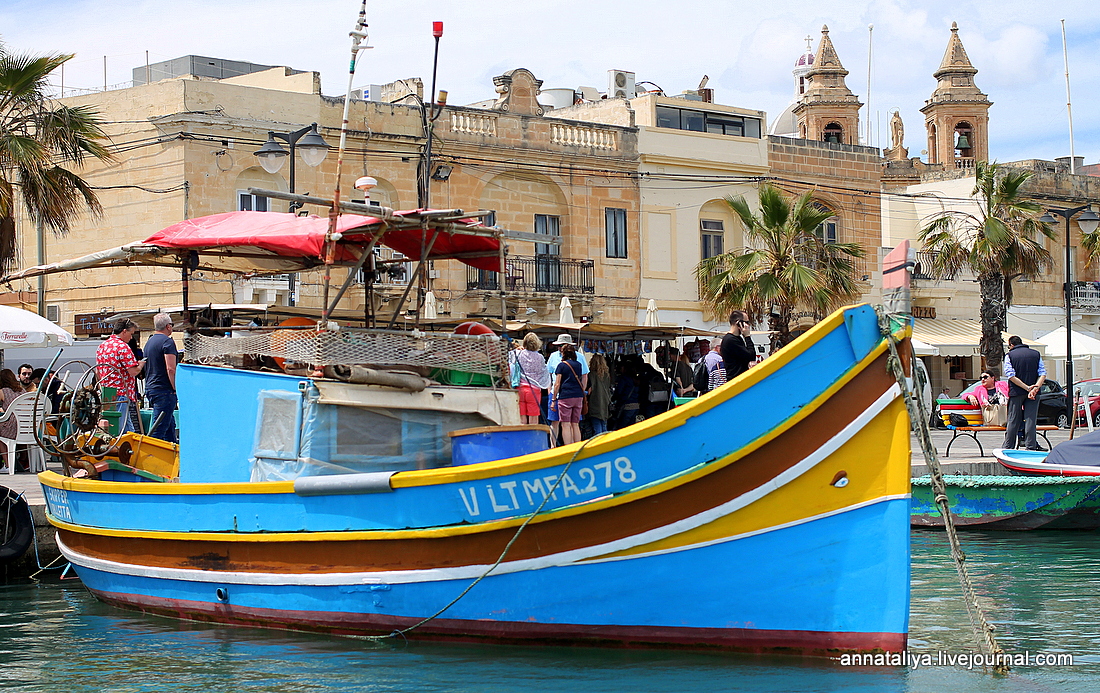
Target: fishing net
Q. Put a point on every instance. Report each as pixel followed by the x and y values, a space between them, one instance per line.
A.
pixel 481 354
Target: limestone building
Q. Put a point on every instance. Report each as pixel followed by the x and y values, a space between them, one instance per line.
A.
pixel 692 154
pixel 185 148
pixel 948 307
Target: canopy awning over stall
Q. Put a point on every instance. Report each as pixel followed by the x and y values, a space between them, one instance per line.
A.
pixel 258 243
pixel 958 337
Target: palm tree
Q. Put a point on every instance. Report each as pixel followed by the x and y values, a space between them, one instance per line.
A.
pixel 788 265
pixel 999 242
pixel 38 139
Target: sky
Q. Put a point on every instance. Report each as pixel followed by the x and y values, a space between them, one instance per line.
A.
pixel 747 50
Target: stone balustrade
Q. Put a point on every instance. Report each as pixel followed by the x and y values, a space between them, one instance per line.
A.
pixel 581 136
pixel 474 123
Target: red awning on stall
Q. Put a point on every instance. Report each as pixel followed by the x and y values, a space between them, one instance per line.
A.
pixel 258 243
pixel 288 235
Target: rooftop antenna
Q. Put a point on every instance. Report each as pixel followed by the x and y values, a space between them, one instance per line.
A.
pixel 1069 104
pixel 358 37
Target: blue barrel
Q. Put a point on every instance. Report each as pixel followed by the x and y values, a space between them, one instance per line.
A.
pixel 489 443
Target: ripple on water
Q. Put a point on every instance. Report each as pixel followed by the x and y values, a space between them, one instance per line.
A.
pixel 1042 589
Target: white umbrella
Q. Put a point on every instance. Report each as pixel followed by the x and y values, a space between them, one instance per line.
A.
pixel 22 328
pixel 652 319
pixel 431 311
pixel 565 311
pixel 1084 345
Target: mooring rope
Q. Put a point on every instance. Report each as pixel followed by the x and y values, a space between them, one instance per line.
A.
pixel 401 632
pixel 983 630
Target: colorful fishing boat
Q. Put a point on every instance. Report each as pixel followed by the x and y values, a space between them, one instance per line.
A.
pixel 1011 502
pixel 768 515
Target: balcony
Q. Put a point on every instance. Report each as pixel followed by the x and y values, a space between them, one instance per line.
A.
pixel 1086 297
pixel 924 268
pixel 538 274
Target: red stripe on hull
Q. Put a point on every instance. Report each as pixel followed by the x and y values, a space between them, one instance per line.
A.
pixel 1049 470
pixel 812 643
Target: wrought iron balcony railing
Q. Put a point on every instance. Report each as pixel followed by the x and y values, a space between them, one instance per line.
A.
pixel 1085 296
pixel 541 273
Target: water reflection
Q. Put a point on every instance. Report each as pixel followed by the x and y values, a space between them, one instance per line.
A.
pixel 1042 590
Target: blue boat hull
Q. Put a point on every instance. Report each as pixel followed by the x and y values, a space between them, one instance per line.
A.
pixel 817 582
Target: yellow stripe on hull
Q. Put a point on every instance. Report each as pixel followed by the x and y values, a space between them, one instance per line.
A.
pixel 812 494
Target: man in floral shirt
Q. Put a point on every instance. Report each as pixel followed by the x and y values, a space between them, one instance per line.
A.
pixel 117 368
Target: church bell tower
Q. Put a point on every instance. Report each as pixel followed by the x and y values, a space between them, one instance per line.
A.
pixel 957 115
pixel 828 111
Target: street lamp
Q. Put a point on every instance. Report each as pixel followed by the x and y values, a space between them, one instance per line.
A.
pixel 1087 222
pixel 307 140
pixel 314 149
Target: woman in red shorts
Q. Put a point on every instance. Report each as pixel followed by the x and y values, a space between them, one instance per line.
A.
pixel 569 384
pixel 530 376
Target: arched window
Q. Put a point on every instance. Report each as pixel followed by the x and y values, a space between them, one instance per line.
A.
pixel 826 230
pixel 256 177
pixel 833 133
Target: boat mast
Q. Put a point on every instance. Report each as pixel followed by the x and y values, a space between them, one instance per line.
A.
pixel 358 38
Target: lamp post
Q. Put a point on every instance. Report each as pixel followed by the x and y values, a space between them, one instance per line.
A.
pixel 314 149
pixel 1087 222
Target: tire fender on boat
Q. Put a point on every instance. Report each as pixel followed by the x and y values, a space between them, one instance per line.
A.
pixel 16 526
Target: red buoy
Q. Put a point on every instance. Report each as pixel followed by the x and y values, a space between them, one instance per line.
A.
pixel 472 327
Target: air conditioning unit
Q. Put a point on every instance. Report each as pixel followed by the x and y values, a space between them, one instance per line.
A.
pixel 620 85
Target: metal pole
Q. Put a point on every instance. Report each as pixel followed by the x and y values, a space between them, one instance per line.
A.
pixel 1069 105
pixel 291 287
pixel 426 170
pixel 40 232
pixel 502 286
pixel 870 55
pixel 1069 327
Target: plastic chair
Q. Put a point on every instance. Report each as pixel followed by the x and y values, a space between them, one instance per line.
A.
pixel 22 409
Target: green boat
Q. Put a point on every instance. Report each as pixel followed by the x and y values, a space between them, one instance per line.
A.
pixel 1011 502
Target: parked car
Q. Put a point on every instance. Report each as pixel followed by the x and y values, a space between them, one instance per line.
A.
pixel 1090 392
pixel 1052 404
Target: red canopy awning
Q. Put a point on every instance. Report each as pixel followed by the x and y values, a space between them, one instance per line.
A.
pixel 241 234
pixel 272 243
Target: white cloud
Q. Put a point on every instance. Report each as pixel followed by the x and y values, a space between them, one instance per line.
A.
pixel 748 50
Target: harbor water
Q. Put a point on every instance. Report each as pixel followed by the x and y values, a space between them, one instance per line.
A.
pixel 1040 589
